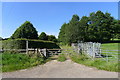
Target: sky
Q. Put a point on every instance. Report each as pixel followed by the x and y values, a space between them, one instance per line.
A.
pixel 48 17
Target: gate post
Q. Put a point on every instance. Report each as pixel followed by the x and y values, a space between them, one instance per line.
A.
pixel 93 50
pixel 26 46
pixel 45 52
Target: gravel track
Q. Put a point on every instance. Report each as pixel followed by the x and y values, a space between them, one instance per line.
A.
pixel 55 69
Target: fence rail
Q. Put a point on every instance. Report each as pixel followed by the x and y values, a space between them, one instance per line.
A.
pixel 94 50
pixel 45 52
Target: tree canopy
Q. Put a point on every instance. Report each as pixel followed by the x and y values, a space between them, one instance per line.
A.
pixel 43 36
pixel 26 30
pixel 52 38
pixel 97 27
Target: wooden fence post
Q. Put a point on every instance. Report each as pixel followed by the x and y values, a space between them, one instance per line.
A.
pixel 93 50
pixel 26 46
pixel 45 52
pixel 106 56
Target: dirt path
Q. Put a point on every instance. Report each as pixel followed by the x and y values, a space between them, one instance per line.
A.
pixel 55 69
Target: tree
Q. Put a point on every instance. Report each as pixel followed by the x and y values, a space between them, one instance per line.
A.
pixel 97 27
pixel 62 34
pixel 115 29
pixel 100 27
pixel 83 29
pixel 72 30
pixel 26 30
pixel 75 18
pixel 52 38
pixel 43 36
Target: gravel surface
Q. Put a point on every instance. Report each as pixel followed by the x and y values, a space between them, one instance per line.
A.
pixel 55 69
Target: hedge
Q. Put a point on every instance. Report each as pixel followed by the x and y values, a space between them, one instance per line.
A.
pixel 21 44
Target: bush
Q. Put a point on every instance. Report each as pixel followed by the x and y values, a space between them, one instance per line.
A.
pixel 21 44
pixel 61 58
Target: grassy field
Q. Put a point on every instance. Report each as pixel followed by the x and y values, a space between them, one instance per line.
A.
pixel 12 62
pixel 115 39
pixel 99 63
pixel 111 49
pixel 110 46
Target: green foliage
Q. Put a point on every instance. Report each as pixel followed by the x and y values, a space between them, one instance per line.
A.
pixel 12 62
pixel 83 29
pixel 75 18
pixel 26 30
pixel 69 32
pixel 52 38
pixel 43 36
pixel 62 34
pixel 100 27
pixel 115 29
pixel 61 57
pixel 72 30
pixel 21 44
pixel 14 44
pixel 97 27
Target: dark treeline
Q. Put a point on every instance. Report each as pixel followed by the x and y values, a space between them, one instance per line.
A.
pixel 97 27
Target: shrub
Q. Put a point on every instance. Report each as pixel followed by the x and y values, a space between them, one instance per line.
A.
pixel 21 44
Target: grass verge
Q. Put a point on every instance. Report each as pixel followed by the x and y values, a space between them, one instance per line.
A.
pixel 12 62
pixel 98 63
pixel 61 58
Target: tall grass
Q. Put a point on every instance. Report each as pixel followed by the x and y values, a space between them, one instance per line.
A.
pixel 12 62
pixel 99 64
pixel 61 57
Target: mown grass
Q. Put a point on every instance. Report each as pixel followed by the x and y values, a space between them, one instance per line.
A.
pixel 110 46
pixel 61 57
pixel 12 62
pixel 111 49
pixel 115 39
